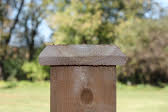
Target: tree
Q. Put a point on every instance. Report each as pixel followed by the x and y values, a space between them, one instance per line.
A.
pixel 87 21
pixel 31 20
pixel 16 16
pixel 147 50
pixel 7 24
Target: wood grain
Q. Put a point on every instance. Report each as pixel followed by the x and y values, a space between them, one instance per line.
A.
pixel 83 89
pixel 82 55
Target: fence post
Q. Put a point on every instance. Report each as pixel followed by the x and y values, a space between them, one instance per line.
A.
pixel 83 77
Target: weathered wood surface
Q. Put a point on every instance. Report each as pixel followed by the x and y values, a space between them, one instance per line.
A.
pixel 82 55
pixel 83 89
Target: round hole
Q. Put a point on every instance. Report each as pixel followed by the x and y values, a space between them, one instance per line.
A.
pixel 86 96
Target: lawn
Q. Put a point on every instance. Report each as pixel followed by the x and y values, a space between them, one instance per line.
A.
pixel 34 97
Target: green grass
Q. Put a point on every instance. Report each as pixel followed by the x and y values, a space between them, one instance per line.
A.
pixel 142 99
pixel 25 97
pixel 34 97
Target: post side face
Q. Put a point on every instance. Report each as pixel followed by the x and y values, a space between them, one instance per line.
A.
pixel 83 89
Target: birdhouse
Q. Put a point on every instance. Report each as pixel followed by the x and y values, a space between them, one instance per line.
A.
pixel 83 77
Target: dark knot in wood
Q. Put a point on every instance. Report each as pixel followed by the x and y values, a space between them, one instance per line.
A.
pixel 86 96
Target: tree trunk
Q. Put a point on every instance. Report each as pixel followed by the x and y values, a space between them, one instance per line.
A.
pixel 1 73
pixel 15 21
pixel 31 52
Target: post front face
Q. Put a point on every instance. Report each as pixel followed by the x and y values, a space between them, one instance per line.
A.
pixel 83 89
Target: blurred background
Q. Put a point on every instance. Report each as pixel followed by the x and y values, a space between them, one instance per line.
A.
pixel 138 27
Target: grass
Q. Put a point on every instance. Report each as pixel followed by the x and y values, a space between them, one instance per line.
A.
pixel 25 97
pixel 34 97
pixel 142 99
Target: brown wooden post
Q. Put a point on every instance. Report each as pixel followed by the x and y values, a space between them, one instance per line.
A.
pixel 83 77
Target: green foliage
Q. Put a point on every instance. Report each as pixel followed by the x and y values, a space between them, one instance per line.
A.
pixel 131 34
pixel 145 43
pixel 78 23
pixel 10 84
pixel 92 21
pixel 35 72
pixel 12 69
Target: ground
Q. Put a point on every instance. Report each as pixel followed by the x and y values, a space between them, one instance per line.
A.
pixel 34 97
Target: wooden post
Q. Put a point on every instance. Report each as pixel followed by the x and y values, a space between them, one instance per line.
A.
pixel 83 77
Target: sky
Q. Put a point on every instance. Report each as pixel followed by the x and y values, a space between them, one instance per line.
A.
pixel 163 3
pixel 45 31
pixel 155 15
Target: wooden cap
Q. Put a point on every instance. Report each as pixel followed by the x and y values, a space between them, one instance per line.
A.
pixel 82 55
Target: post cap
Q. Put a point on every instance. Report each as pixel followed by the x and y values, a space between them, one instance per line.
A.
pixel 82 55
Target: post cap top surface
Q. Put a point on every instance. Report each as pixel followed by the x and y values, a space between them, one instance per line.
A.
pixel 82 55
